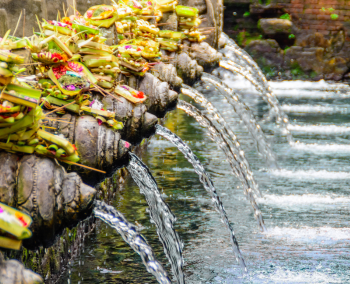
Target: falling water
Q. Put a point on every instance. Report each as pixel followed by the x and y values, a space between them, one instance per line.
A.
pixel 264 90
pixel 248 68
pixel 236 166
pixel 116 220
pixel 241 57
pixel 216 118
pixel 160 214
pixel 246 116
pixel 207 183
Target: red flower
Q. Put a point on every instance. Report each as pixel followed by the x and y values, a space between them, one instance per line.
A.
pixel 140 95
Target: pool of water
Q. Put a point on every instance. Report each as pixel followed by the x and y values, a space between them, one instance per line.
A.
pixel 305 202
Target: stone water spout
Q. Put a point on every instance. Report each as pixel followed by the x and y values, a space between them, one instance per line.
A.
pixel 187 68
pixel 160 97
pixel 98 146
pixel 188 65
pixel 204 54
pixel 167 72
pixel 156 86
pixel 43 189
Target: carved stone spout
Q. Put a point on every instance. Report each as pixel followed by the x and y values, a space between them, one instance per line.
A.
pixel 187 68
pixel 204 54
pixel 160 97
pixel 43 189
pixel 98 146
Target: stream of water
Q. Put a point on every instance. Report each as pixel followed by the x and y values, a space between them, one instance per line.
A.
pixel 226 133
pixel 237 166
pixel 213 84
pixel 305 202
pixel 129 233
pixel 208 185
pixel 160 214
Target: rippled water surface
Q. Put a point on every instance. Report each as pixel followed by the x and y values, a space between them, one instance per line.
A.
pixel 305 203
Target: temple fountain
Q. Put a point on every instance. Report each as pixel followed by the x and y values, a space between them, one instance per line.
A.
pixel 83 100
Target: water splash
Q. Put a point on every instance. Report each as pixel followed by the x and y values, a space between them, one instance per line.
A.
pixel 216 118
pixel 297 202
pixel 320 85
pixel 246 116
pixel 330 129
pixel 160 214
pixel 321 235
pixel 317 176
pixel 138 243
pixel 321 149
pixel 307 109
pixel 207 183
pixel 298 94
pixel 236 166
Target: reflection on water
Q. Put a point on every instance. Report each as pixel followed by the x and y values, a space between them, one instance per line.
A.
pixel 305 207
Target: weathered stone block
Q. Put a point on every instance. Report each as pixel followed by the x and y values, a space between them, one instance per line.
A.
pixel 275 26
pixel 335 68
pixel 312 40
pixel 13 272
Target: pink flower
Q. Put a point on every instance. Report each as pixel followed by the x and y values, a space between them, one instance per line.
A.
pixel 75 67
pixel 70 87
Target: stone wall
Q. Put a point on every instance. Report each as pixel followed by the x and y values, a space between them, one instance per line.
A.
pixel 10 11
pixel 311 41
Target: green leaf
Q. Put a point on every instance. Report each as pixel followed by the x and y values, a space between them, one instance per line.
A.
pixel 334 16
pixel 285 16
